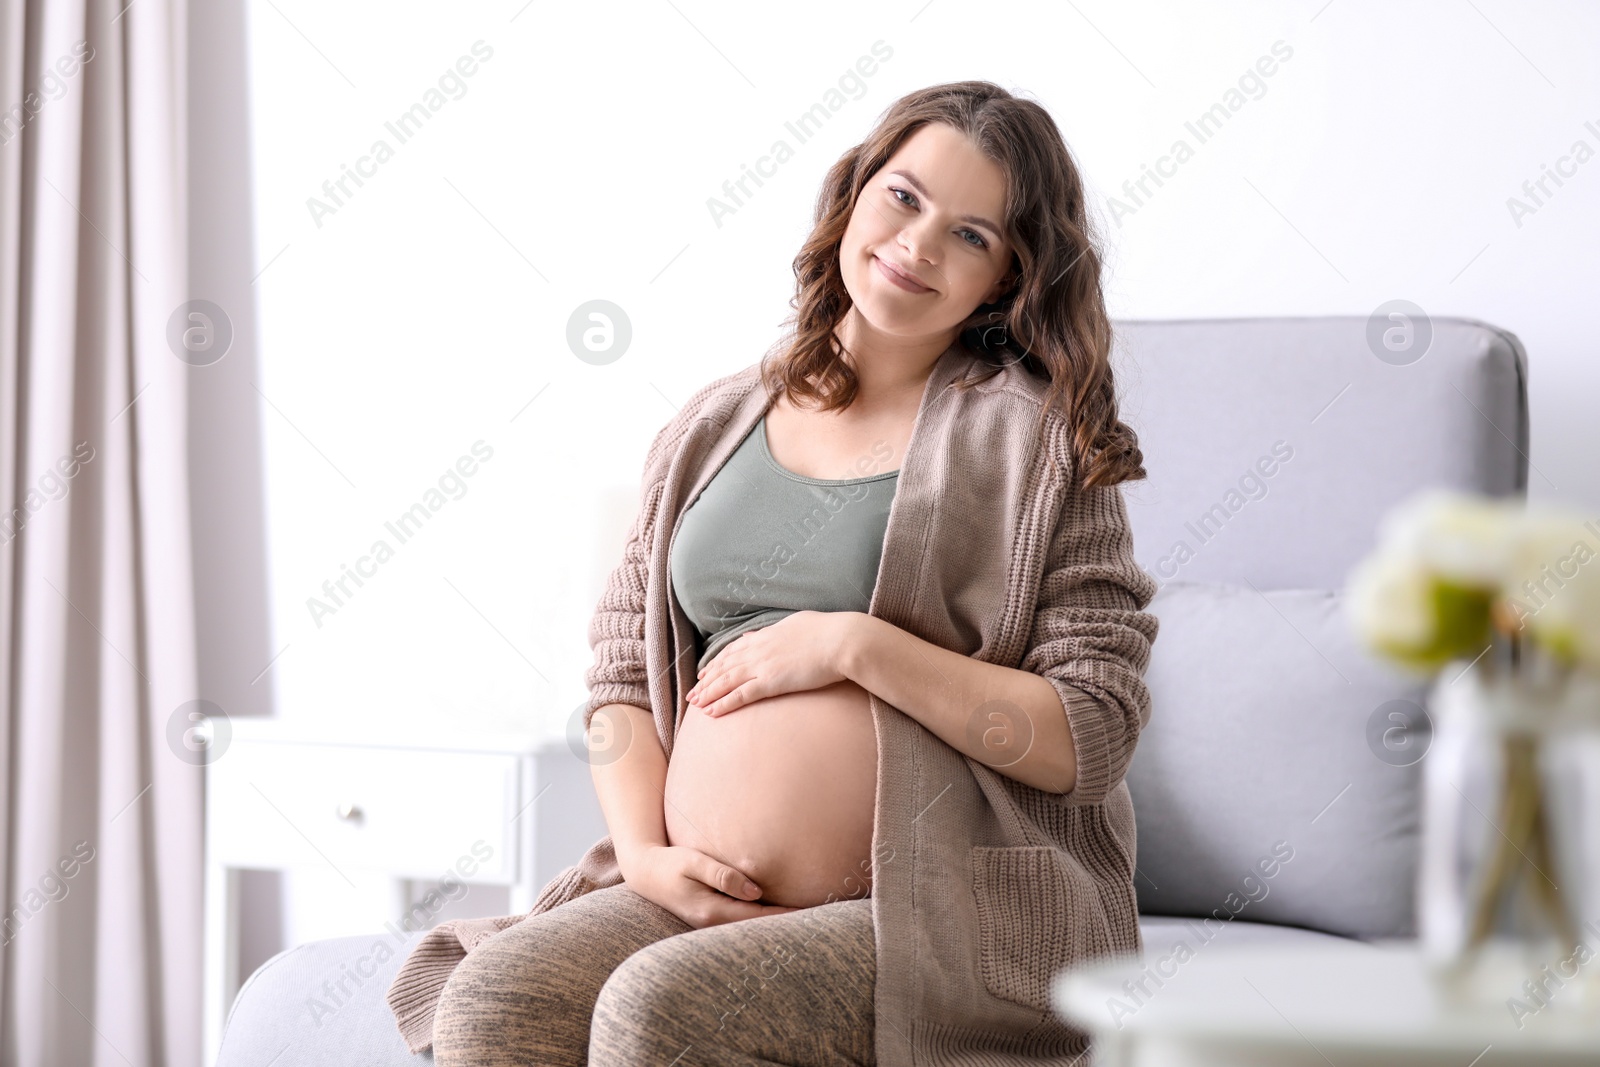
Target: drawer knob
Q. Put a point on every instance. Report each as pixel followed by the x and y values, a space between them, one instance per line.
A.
pixel 351 812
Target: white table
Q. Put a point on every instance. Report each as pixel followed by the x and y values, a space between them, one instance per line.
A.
pixel 416 808
pixel 1357 1005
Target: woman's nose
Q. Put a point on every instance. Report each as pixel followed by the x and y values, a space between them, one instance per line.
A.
pixel 917 242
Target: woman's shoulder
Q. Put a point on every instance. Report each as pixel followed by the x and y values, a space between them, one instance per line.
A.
pixel 716 401
pixel 1011 392
pixel 1013 379
pixel 707 410
pixel 1008 407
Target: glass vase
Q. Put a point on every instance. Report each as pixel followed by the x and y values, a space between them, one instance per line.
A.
pixel 1508 899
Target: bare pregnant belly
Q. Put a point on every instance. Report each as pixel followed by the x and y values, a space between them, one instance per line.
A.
pixel 783 790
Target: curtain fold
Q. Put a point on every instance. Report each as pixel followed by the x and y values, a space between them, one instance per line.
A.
pixel 100 867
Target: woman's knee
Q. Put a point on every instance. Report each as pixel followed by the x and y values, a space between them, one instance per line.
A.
pixel 508 1003
pixel 679 1000
pixel 745 992
pixel 651 1005
pixel 526 994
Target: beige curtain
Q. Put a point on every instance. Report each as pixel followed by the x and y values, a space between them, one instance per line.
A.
pixel 100 865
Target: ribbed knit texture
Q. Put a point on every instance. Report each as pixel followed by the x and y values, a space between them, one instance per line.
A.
pixel 983 887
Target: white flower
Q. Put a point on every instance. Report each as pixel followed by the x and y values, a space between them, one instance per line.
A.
pixel 1389 602
pixel 1460 537
pixel 1449 563
pixel 1552 582
pixel 1422 596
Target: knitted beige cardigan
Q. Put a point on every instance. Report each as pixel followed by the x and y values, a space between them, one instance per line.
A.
pixel 984 888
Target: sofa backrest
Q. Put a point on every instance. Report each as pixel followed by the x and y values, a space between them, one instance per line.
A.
pixel 1344 433
pixel 1274 447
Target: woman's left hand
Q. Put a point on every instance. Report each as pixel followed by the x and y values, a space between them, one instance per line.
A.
pixel 798 652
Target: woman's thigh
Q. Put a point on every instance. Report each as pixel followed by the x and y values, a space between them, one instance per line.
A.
pixel 526 995
pixel 793 989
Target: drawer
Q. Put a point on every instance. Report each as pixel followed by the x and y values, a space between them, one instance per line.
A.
pixel 414 813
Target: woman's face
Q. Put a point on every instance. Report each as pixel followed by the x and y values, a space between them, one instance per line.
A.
pixel 933 211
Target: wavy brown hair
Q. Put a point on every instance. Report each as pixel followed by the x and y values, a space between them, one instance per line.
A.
pixel 1052 318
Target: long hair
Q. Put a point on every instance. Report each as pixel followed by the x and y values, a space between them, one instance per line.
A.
pixel 1052 319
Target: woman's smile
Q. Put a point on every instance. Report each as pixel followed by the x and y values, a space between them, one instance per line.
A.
pixel 900 278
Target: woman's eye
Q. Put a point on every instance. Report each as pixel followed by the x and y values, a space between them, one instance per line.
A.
pixel 911 201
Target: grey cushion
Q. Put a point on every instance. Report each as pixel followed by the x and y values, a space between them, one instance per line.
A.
pixel 287 1015
pixel 1219 404
pixel 1270 724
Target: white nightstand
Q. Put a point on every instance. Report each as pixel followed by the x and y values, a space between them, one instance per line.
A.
pixel 282 796
pixel 1288 1005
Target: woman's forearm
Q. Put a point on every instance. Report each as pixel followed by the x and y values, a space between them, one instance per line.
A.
pixel 629 769
pixel 1011 720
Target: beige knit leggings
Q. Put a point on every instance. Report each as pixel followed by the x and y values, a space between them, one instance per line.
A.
pixel 613 979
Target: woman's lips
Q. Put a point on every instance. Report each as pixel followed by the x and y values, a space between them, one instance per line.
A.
pixel 899 279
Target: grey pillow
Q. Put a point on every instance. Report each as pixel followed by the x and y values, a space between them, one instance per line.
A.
pixel 1278 779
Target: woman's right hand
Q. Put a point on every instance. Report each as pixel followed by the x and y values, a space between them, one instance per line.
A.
pixel 696 888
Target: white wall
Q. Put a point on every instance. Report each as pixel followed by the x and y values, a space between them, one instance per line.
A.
pixel 430 310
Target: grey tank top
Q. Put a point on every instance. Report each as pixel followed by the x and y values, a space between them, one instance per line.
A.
pixel 761 542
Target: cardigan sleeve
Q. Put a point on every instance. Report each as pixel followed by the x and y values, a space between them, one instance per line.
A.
pixel 1091 637
pixel 618 673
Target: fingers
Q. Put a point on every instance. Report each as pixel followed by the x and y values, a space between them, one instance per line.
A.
pixel 701 692
pixel 711 687
pixel 721 877
pixel 734 698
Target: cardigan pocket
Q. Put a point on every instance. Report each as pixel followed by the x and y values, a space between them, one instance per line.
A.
pixel 1038 912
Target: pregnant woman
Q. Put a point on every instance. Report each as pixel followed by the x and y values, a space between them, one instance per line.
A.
pixel 868 677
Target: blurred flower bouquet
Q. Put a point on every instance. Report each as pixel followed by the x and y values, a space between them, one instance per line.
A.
pixel 1500 603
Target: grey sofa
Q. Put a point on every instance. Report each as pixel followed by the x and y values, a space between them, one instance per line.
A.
pixel 1276 784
